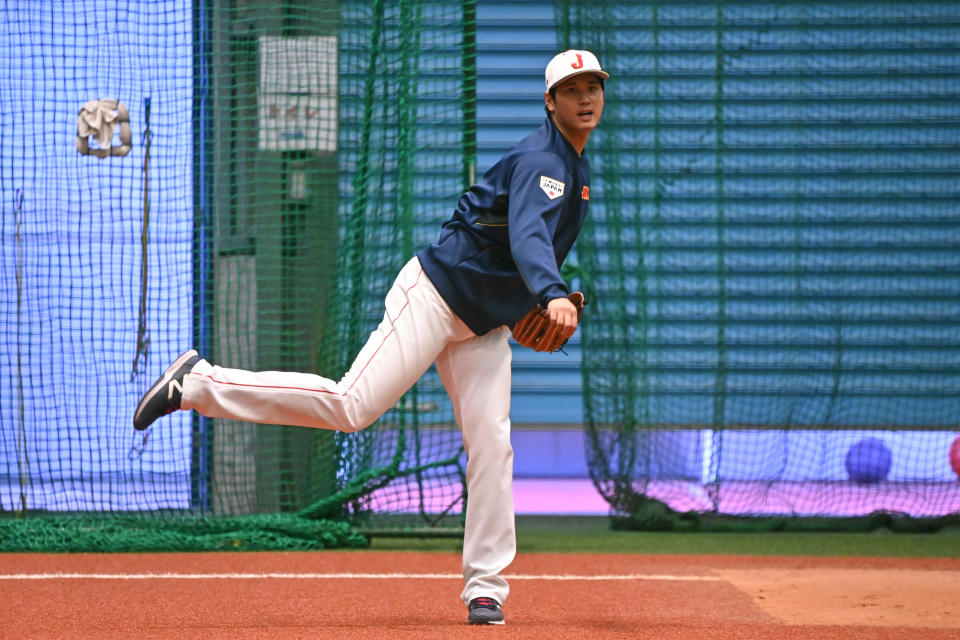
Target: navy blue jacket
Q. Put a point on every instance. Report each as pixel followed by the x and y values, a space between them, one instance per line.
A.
pixel 500 254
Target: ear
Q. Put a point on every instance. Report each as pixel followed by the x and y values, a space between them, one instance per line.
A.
pixel 548 101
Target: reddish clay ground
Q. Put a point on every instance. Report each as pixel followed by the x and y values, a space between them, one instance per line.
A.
pixel 726 597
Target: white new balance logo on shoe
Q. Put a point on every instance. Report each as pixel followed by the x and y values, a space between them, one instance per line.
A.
pixel 153 405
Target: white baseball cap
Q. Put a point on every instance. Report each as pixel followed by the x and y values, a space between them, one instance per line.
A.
pixel 572 63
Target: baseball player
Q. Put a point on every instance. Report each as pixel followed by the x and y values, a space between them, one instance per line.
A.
pixel 453 304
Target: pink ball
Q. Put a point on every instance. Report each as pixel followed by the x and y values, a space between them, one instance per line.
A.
pixel 955 456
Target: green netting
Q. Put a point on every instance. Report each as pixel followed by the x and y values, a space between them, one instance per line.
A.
pixel 407 150
pixel 318 229
pixel 770 256
pixel 285 160
pixel 773 256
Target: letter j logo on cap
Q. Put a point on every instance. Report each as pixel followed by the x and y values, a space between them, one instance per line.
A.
pixel 579 63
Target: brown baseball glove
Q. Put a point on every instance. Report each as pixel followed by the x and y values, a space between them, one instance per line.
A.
pixel 536 331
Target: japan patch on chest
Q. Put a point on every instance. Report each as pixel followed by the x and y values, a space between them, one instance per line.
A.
pixel 553 188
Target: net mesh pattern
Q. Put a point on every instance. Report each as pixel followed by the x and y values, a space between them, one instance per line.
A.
pixel 284 161
pixel 770 258
pixel 772 253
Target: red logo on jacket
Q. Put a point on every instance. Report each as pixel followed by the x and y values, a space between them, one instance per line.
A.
pixel 585 193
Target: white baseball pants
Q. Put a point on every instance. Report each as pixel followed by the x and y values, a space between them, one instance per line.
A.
pixel 418 329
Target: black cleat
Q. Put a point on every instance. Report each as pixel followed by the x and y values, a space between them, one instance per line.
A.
pixel 485 611
pixel 164 396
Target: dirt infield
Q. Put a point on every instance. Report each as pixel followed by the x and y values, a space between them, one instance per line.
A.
pixel 375 594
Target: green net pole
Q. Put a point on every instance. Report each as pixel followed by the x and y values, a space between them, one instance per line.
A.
pixel 469 93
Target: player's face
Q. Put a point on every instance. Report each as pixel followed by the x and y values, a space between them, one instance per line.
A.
pixel 578 104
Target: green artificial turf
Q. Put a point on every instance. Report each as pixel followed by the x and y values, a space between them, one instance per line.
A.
pixel 594 535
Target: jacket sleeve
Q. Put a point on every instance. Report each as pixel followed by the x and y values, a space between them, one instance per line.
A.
pixel 539 187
